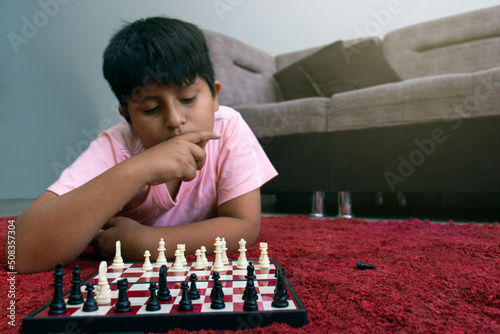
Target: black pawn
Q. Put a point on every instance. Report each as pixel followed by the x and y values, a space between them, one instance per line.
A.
pixel 185 304
pixel 280 293
pixel 122 304
pixel 163 291
pixel 280 282
pixel 218 299
pixel 57 305
pixel 251 297
pixel 217 284
pixel 90 304
pixel 250 282
pixel 153 302
pixel 194 294
pixel 362 266
pixel 76 296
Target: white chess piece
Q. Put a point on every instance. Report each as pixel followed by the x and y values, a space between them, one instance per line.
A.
pixel 203 250
pixel 218 264
pixel 161 259
pixel 262 245
pixel 242 259
pixel 264 259
pixel 182 249
pixel 199 261
pixel 225 260
pixel 118 260
pixel 147 263
pixel 178 263
pixel 103 291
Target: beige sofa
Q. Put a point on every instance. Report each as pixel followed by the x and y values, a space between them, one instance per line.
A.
pixel 436 130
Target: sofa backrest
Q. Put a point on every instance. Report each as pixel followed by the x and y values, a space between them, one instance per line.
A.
pixel 462 43
pixel 245 73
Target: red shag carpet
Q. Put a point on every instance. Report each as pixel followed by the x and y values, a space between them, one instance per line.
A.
pixel 430 278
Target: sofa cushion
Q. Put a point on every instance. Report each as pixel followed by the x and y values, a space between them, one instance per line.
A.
pixel 289 117
pixel 337 69
pixel 294 84
pixel 448 97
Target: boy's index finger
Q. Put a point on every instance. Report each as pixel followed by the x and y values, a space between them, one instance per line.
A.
pixel 196 137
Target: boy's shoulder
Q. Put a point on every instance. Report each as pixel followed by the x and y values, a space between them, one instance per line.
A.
pixel 121 137
pixel 226 113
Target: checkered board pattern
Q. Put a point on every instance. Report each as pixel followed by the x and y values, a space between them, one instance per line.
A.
pixel 169 317
pixel 134 273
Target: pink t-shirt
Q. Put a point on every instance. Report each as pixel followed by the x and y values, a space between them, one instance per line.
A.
pixel 235 165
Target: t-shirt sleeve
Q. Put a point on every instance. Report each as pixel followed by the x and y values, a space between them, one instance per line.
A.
pixel 243 165
pixel 95 160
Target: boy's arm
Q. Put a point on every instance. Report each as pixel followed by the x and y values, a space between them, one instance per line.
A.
pixel 238 218
pixel 58 228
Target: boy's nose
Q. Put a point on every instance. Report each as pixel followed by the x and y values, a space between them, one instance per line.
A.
pixel 174 118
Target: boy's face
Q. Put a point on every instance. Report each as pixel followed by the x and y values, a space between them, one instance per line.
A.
pixel 160 112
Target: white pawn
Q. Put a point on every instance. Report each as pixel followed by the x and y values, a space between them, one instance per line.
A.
pixel 262 245
pixel 218 264
pixel 264 259
pixel 161 259
pixel 203 256
pixel 118 260
pixel 242 259
pixel 225 260
pixel 147 264
pixel 182 249
pixel 199 261
pixel 103 293
pixel 178 263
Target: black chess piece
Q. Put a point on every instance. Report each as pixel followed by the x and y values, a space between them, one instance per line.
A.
pixel 90 304
pixel 76 296
pixel 362 266
pixel 250 296
pixel 250 271
pixel 218 299
pixel 280 292
pixel 57 305
pixel 122 304
pixel 194 294
pixel 163 290
pixel 217 283
pixel 185 304
pixel 153 302
pixel 250 281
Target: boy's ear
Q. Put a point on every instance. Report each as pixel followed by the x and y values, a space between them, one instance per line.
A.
pixel 217 85
pixel 122 112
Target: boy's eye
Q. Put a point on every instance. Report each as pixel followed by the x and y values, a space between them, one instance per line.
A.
pixel 150 111
pixel 189 99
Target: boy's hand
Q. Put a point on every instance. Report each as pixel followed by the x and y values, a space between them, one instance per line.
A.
pixel 117 228
pixel 177 158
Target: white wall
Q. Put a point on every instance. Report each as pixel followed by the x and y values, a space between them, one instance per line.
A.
pixel 53 98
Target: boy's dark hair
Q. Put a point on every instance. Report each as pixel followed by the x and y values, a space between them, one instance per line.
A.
pixel 156 50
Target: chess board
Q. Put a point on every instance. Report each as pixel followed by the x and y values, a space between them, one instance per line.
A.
pixel 232 317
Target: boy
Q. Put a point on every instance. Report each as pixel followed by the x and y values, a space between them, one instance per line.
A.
pixel 179 167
